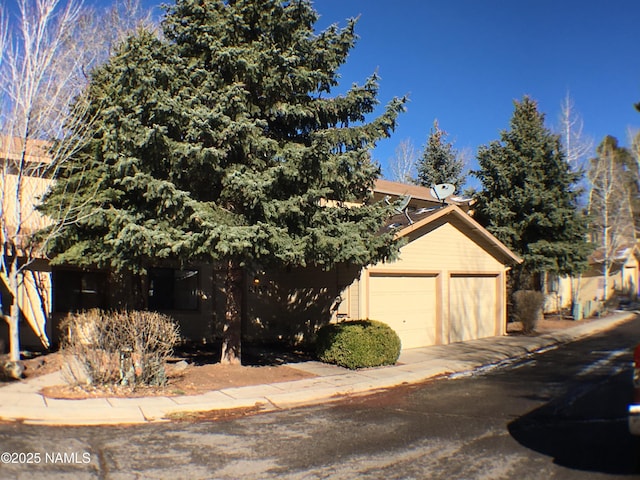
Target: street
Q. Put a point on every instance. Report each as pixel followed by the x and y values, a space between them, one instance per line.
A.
pixel 559 414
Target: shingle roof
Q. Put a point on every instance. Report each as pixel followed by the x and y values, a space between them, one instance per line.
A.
pixel 417 192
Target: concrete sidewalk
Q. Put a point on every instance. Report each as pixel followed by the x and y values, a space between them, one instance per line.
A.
pixel 23 402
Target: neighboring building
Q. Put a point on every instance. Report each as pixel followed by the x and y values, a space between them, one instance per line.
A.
pixel 448 285
pixel 588 289
pixel 34 296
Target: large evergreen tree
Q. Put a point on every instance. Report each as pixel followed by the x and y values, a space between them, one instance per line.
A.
pixel 440 162
pixel 221 143
pixel 529 200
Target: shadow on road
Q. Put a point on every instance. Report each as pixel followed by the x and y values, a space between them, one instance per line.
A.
pixel 589 435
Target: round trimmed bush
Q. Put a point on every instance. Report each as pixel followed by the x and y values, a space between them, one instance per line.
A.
pixel 358 344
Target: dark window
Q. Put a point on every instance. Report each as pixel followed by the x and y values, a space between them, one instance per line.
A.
pixel 75 290
pixel 171 289
pixel 553 283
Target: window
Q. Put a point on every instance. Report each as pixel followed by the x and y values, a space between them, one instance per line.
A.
pixel 553 283
pixel 171 289
pixel 77 290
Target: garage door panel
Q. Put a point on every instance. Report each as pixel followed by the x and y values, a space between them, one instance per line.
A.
pixel 407 304
pixel 472 307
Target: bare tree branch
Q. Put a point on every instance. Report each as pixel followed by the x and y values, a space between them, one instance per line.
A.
pixel 633 137
pixel 610 209
pixel 44 60
pixel 577 145
pixel 403 164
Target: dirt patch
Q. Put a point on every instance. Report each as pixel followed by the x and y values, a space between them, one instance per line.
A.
pixel 193 380
pixel 203 373
pixel 37 364
pixel 550 323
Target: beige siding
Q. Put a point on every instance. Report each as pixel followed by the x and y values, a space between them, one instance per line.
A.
pixel 408 304
pixel 34 302
pixel 291 305
pixel 474 306
pixel 443 248
pixel 558 295
pixel 589 286
pixel 33 189
pixel 630 275
pixel 353 292
pixel 469 299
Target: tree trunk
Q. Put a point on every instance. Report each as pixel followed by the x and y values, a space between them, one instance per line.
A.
pixel 232 330
pixel 140 287
pixel 605 267
pixel 14 317
pixel 41 291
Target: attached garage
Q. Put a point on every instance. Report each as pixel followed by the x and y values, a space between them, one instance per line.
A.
pixel 473 307
pixel 407 303
pixel 448 284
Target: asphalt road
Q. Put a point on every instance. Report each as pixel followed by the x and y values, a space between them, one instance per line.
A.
pixel 560 414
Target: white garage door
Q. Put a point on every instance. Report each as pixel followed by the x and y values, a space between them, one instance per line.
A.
pixel 473 307
pixel 407 304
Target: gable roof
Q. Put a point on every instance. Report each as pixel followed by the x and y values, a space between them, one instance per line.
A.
pixel 455 215
pixel 621 255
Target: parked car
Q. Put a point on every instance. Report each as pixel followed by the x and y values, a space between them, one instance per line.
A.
pixel 634 407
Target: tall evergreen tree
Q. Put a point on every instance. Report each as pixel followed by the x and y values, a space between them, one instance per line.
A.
pixel 440 162
pixel 220 143
pixel 529 200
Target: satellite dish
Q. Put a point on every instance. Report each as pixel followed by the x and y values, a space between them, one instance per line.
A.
pixel 403 206
pixel 442 190
pixel 404 203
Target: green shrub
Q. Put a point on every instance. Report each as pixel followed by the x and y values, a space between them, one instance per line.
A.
pixel 126 348
pixel 527 308
pixel 358 344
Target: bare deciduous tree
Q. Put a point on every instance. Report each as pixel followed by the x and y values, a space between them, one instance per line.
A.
pixel 610 209
pixel 403 164
pixel 633 138
pixel 577 145
pixel 102 30
pixel 44 64
pixel 33 98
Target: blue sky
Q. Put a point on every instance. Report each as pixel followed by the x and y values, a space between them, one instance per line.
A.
pixel 464 62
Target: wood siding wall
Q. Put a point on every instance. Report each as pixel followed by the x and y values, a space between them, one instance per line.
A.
pixel 447 253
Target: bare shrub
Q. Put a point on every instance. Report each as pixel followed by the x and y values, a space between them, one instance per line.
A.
pixel 527 308
pixel 126 348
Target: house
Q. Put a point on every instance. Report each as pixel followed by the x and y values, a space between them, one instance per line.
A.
pixel 584 293
pixel 448 285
